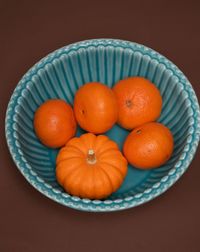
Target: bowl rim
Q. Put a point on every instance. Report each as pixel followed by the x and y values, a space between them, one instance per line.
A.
pixel 106 205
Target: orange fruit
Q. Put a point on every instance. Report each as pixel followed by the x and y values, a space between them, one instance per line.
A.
pixel 95 107
pixel 149 146
pixel 139 102
pixel 54 123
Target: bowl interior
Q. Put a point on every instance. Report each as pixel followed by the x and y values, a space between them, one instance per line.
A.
pixel 61 76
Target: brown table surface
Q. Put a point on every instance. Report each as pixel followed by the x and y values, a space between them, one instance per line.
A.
pixel 31 222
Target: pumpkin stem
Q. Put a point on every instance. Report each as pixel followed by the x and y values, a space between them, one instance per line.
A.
pixel 91 158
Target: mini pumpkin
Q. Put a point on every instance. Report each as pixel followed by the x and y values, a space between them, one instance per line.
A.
pixel 90 166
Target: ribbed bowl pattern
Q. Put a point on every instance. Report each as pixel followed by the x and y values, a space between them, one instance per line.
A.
pixel 60 74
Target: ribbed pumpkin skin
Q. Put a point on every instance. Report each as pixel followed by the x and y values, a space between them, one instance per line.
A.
pixel 90 166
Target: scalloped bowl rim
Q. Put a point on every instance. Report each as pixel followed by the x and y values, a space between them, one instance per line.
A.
pixel 105 205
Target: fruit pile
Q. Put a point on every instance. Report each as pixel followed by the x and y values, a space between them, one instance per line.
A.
pixel 92 166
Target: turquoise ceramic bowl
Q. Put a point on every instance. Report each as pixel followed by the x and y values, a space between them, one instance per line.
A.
pixel 60 74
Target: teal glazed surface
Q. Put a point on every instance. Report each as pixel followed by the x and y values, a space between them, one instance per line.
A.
pixel 60 74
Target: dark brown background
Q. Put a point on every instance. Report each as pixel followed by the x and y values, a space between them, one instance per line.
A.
pixel 30 222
